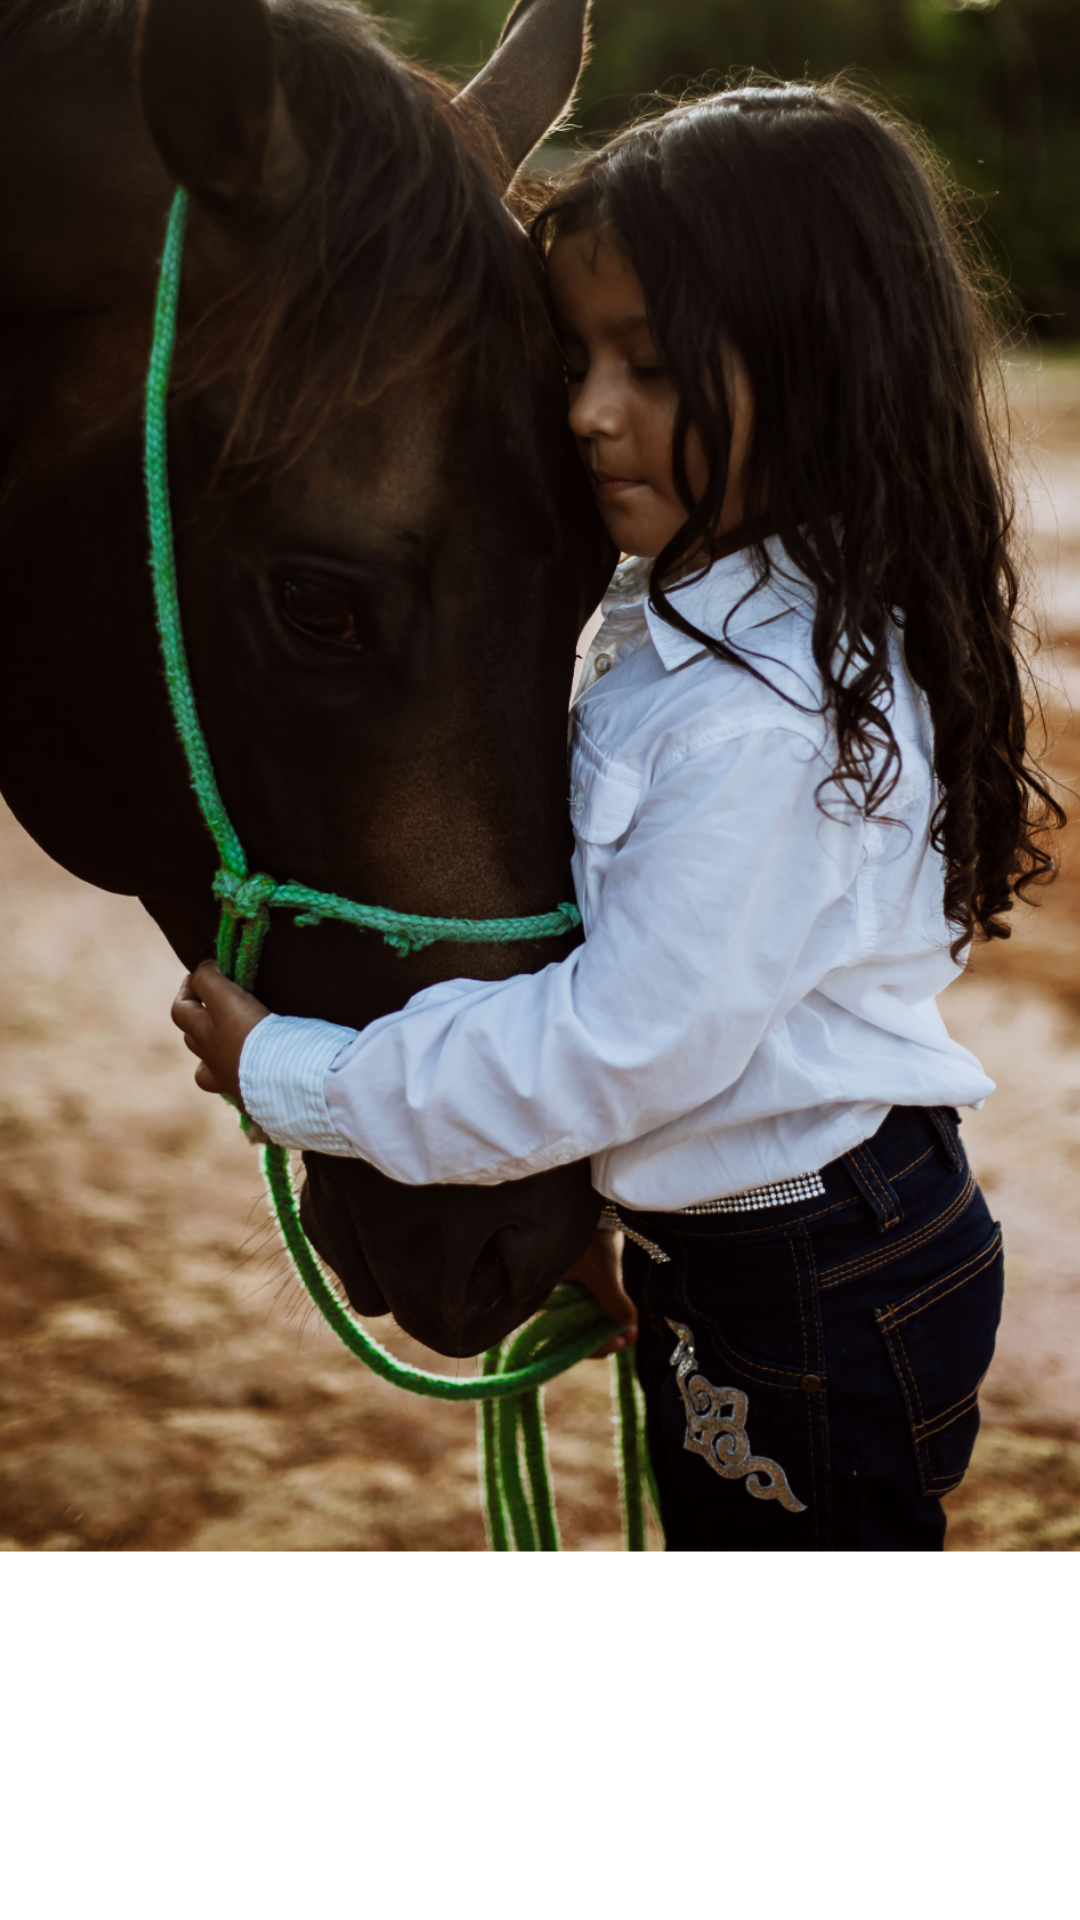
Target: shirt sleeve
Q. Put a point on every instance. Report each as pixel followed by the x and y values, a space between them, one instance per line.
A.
pixel 283 1069
pixel 713 922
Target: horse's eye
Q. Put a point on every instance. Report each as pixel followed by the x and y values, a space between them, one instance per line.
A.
pixel 322 613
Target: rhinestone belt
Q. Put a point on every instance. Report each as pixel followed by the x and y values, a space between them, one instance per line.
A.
pixel 778 1193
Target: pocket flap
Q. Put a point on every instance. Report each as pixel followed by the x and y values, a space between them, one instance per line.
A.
pixel 602 804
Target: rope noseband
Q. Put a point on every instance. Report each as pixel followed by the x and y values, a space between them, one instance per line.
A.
pixel 571 1325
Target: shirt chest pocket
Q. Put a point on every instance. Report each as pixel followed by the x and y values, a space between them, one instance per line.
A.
pixel 602 803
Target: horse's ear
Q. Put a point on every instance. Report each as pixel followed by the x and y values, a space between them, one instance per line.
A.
pixel 532 75
pixel 214 107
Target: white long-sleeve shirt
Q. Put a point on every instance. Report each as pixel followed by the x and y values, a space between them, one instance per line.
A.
pixel 757 983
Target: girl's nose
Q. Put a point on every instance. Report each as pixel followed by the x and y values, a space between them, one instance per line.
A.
pixel 596 410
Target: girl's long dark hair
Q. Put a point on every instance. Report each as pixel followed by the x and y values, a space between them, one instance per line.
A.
pixel 805 229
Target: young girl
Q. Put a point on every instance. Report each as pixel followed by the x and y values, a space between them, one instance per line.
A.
pixel 798 789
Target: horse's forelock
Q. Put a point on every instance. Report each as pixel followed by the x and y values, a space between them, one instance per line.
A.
pixel 397 258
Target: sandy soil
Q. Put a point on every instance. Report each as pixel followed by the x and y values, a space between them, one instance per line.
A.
pixel 162 1386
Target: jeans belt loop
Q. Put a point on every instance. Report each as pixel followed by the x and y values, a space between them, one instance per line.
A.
pixel 945 1121
pixel 878 1191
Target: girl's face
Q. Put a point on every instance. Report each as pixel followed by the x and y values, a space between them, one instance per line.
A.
pixel 623 401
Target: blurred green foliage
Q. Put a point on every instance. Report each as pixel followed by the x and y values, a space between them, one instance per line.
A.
pixel 996 86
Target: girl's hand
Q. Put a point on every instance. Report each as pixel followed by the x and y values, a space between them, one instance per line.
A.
pixel 215 1018
pixel 600 1270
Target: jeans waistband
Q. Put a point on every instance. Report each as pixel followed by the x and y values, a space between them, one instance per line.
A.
pixel 904 1135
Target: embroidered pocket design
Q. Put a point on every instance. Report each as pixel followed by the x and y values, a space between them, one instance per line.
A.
pixel 716 1428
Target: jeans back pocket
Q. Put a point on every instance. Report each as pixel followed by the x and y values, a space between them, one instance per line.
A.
pixel 941 1342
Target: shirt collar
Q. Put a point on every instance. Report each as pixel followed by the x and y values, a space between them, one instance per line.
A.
pixel 719 606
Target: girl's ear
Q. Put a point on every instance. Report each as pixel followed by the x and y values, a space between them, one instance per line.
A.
pixel 532 76
pixel 214 107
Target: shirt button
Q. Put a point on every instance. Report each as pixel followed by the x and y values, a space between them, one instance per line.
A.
pixel 811 1383
pixel 604 664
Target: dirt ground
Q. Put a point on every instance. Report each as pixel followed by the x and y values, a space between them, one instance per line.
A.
pixel 162 1386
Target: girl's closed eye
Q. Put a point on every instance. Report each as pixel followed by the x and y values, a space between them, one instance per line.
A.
pixel 624 399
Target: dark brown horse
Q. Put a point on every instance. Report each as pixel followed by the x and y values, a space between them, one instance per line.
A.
pixel 386 546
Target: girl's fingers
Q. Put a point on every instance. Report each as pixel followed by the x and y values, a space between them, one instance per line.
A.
pixel 197 991
pixel 215 1016
pixel 187 1009
pixel 181 1016
pixel 615 1346
pixel 222 998
pixel 600 1270
pixel 195 1024
pixel 613 1297
pixel 211 987
pixel 619 1307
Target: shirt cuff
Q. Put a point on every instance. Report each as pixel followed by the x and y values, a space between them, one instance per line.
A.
pixel 283 1069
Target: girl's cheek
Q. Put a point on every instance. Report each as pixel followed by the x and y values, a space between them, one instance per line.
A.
pixel 659 438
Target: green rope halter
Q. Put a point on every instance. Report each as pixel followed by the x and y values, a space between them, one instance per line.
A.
pixel 571 1326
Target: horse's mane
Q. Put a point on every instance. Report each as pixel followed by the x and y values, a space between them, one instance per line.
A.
pixel 111 22
pixel 396 256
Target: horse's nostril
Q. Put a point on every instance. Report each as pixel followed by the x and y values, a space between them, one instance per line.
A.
pixel 509 1280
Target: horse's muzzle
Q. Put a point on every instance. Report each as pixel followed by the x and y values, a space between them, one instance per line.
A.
pixel 458 1267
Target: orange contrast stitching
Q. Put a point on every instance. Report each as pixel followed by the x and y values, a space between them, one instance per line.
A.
pixel 854 1269
pixel 873 1178
pixel 933 1427
pixel 912 1164
pixel 938 1288
pixel 921 1421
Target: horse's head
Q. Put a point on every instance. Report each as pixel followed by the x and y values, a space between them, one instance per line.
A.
pixel 386 545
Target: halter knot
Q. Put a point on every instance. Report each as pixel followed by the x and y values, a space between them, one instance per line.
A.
pixel 247 896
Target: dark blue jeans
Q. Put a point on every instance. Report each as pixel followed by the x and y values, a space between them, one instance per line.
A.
pixel 811 1371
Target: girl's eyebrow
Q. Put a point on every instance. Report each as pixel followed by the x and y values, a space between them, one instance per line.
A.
pixel 633 323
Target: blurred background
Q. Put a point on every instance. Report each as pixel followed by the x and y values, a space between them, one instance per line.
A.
pixel 996 85
pixel 162 1384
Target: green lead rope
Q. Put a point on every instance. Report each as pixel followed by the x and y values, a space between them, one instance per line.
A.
pixel 589 1329
pixel 514 1470
pixel 247 897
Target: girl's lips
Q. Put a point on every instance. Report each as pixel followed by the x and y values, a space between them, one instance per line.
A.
pixel 609 483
